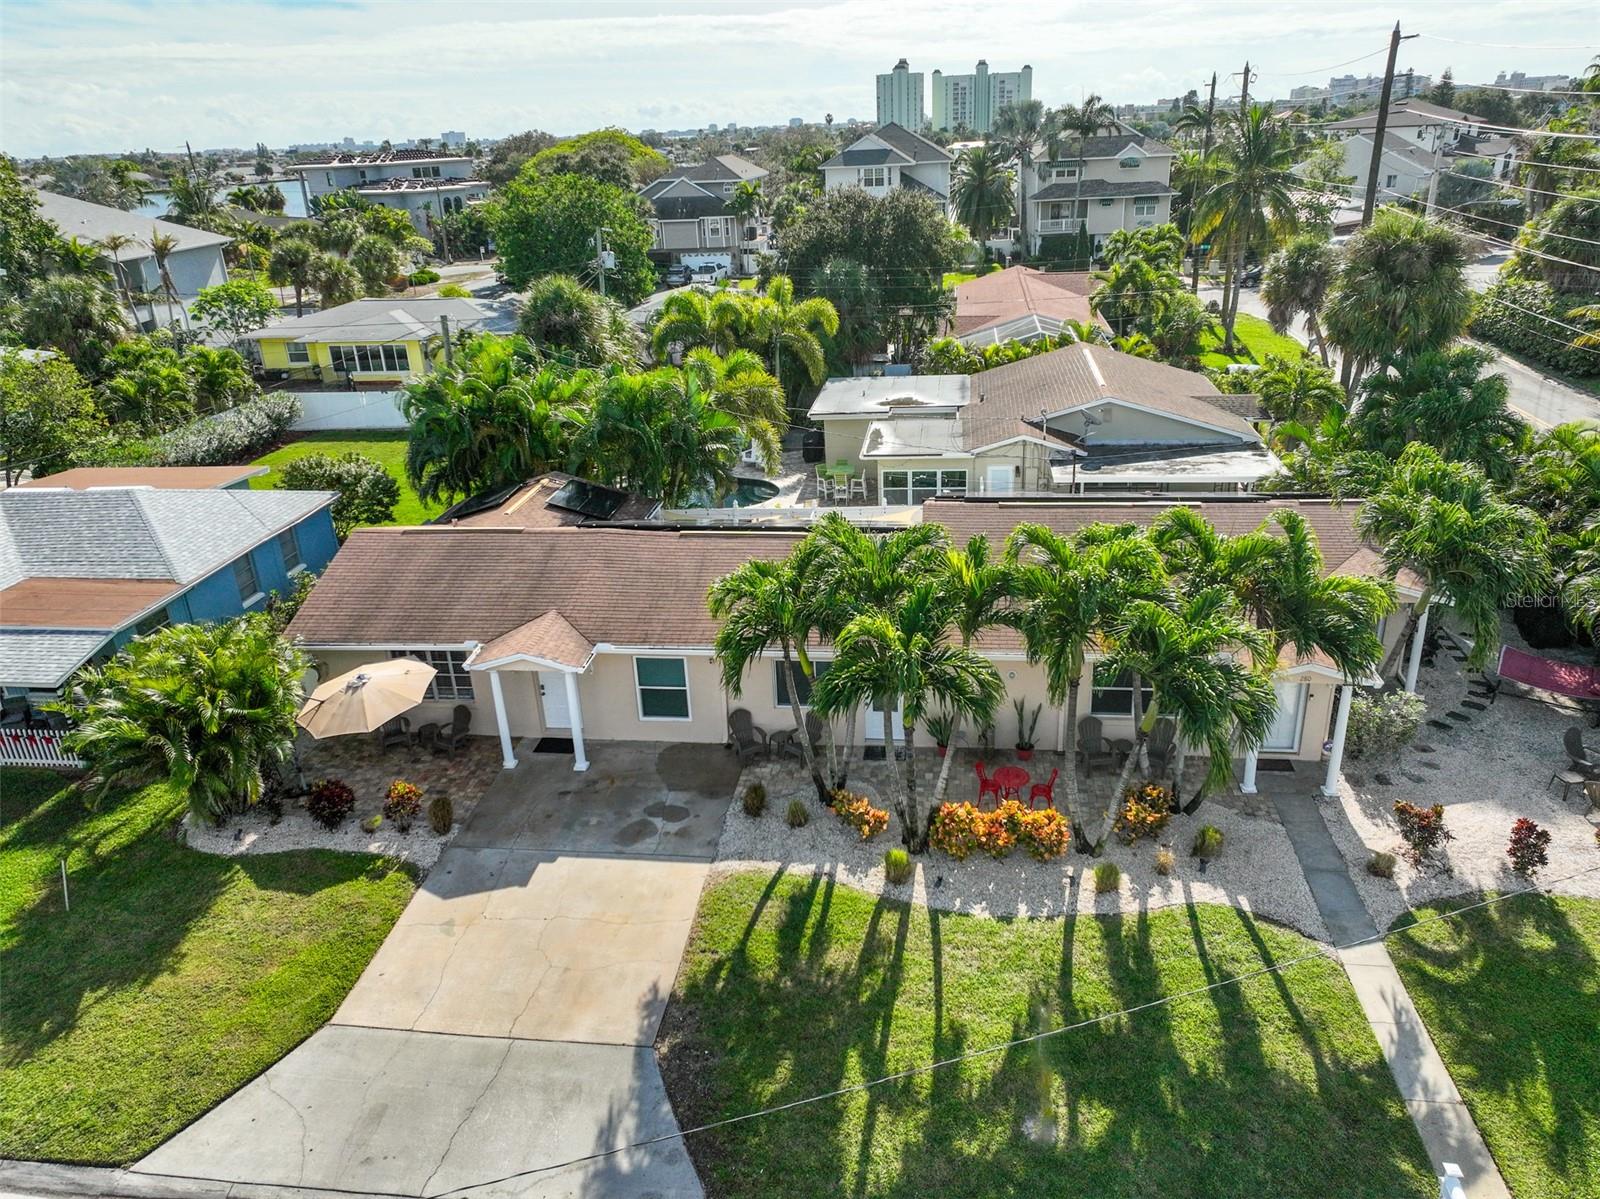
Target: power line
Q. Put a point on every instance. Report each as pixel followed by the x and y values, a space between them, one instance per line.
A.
pixel 1525 162
pixel 1532 91
pixel 1293 74
pixel 1538 191
pixel 1514 129
pixel 1436 37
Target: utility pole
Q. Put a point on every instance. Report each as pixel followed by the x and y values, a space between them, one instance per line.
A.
pixel 1376 164
pixel 1205 153
pixel 1230 282
pixel 1433 177
pixel 444 234
pixel 449 351
pixel 600 257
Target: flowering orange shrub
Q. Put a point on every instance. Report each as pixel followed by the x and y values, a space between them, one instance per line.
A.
pixel 956 829
pixel 1145 811
pixel 959 829
pixel 857 811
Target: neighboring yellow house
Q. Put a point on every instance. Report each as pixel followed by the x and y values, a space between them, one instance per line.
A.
pixel 364 343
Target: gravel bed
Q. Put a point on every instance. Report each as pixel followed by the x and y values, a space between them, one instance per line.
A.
pixel 1256 872
pixel 254 832
pixel 1491 771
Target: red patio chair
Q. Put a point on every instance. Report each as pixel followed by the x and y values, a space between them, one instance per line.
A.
pixel 1045 791
pixel 986 785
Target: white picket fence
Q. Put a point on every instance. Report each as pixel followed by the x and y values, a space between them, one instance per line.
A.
pixel 35 745
pixel 324 410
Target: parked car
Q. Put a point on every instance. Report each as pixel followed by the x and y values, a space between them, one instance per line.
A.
pixel 1251 275
pixel 677 276
pixel 709 273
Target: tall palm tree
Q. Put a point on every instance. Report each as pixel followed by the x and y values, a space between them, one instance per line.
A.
pixel 163 246
pixel 76 314
pixel 1295 284
pixel 1443 398
pixel 336 280
pixel 1445 522
pixel 779 323
pixel 984 191
pixel 693 317
pixel 114 244
pixel 1069 591
pixel 978 589
pixel 291 265
pixel 1016 133
pixel 742 388
pixel 193 196
pixel 1251 201
pixel 746 203
pixel 1401 288
pixel 1080 122
pixel 1296 389
pixel 901 657
pixel 1209 669
pixel 762 604
pixel 1558 475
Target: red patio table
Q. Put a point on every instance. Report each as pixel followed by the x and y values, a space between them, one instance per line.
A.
pixel 1012 780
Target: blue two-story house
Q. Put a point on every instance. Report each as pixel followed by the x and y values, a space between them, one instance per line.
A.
pixel 83 572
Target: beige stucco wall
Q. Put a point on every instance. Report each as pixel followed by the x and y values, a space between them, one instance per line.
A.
pixel 842 439
pixel 1122 425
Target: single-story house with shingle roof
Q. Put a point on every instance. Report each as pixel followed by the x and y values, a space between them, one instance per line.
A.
pixel 1081 419
pixel 371 343
pixel 594 632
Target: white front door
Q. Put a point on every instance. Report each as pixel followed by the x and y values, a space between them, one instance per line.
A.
pixel 1284 735
pixel 997 479
pixel 875 723
pixel 553 695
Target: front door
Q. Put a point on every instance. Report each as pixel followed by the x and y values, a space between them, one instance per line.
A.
pixel 1284 735
pixel 998 479
pixel 553 696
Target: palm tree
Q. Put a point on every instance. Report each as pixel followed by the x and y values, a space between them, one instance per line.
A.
pixel 163 246
pixel 1188 651
pixel 777 322
pixel 1070 589
pixel 193 196
pixel 742 388
pixel 1296 389
pixel 1401 288
pixel 291 266
pixel 979 590
pixel 1443 399
pixel 200 707
pixel 984 191
pixel 746 203
pixel 1558 476
pixel 1016 133
pixel 114 244
pixel 1251 201
pixel 336 280
pixel 901 658
pixel 75 314
pixel 1327 456
pixel 1080 121
pixel 766 603
pixel 1295 284
pixel 694 317
pixel 1444 522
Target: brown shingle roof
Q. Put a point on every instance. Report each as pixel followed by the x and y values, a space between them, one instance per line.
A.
pixel 180 478
pixel 87 604
pixel 1019 291
pixel 550 638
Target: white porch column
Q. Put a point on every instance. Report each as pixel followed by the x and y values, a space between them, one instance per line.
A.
pixel 1330 784
pixel 575 710
pixel 508 759
pixel 1247 784
pixel 1414 663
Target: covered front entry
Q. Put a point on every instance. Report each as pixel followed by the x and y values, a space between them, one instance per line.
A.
pixel 553 699
pixel 549 646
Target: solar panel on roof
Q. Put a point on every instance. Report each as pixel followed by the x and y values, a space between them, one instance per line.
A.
pixel 587 499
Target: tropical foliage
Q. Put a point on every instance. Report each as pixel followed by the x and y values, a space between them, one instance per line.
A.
pixel 546 225
pixel 367 492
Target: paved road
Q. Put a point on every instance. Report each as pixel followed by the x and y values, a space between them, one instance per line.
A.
pixel 1543 401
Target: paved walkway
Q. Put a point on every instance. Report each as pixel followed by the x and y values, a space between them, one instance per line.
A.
pixel 1446 1127
pixel 507 1022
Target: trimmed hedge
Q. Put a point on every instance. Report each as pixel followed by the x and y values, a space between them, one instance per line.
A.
pixel 235 436
pixel 1533 336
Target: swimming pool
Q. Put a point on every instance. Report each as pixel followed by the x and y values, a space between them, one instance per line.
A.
pixel 749 492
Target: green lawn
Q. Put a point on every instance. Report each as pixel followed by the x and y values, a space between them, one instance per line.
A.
pixel 793 986
pixel 387 448
pixel 957 278
pixel 1511 996
pixel 175 977
pixel 1253 341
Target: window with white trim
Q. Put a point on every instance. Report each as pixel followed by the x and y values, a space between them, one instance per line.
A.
pixel 914 486
pixel 1067 173
pixel 873 176
pixel 1144 206
pixel 780 683
pixel 1130 163
pixel 663 687
pixel 246 579
pixel 1113 692
pixel 299 353
pixel 289 547
pixel 429 172
pixel 378 359
pixel 454 680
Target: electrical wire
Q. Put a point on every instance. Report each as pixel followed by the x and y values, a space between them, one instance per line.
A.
pixel 1538 191
pixel 1295 74
pixel 1523 162
pixel 1439 37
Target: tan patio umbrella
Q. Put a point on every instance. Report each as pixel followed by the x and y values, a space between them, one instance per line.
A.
pixel 360 700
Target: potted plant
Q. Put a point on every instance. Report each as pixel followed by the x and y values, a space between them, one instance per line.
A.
pixel 1026 727
pixel 940 725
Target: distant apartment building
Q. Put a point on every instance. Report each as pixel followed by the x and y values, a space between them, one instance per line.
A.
pixel 422 183
pixel 452 139
pixel 973 101
pixel 1349 89
pixel 900 98
pixel 1532 83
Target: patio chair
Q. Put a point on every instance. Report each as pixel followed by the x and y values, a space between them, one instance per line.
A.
pixel 790 745
pixel 745 737
pixel 448 740
pixel 1584 762
pixel 427 737
pixel 858 487
pixel 1045 791
pixel 986 784
pixel 15 710
pixel 824 485
pixel 1162 745
pixel 1093 749
pixel 395 732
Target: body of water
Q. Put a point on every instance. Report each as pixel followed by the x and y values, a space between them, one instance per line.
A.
pixel 155 203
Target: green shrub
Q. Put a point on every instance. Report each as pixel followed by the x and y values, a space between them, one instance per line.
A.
pixel 330 802
pixel 798 814
pixel 1207 843
pixel 418 278
pixel 237 435
pixel 453 291
pixel 441 814
pixel 367 492
pixel 1107 877
pixel 372 823
pixel 1498 321
pixel 402 803
pixel 754 799
pixel 1381 865
pixel 897 866
pixel 1381 724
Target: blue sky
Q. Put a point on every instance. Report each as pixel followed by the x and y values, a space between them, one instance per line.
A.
pixel 83 75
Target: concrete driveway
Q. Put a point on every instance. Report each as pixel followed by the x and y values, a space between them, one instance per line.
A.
pixel 506 1023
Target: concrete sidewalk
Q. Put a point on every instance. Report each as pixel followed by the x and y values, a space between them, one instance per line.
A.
pixel 1442 1119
